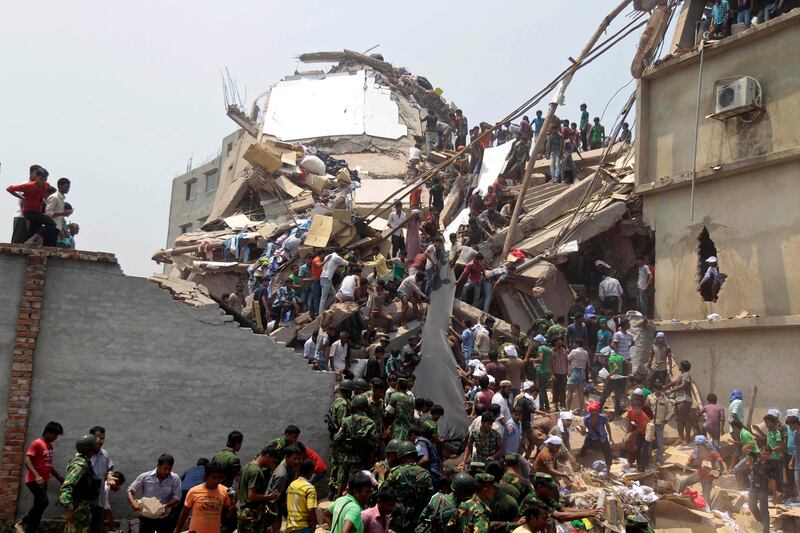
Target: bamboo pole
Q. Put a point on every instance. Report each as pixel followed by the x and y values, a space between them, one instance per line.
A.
pixel 551 111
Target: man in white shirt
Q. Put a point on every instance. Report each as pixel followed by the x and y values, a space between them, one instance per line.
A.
pixel 331 262
pixel 397 219
pixel 310 346
pixel 643 283
pixel 350 286
pixel 502 398
pixel 611 293
pixel 623 340
pixel 102 465
pixel 55 208
pixel 337 357
pixel 432 265
pixel 493 279
pixel 410 294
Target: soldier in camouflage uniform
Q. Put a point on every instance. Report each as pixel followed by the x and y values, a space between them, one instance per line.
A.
pixel 439 511
pixel 513 477
pixel 375 410
pixel 80 487
pixel 382 468
pixel 354 444
pixel 413 486
pixel 400 407
pixel 474 515
pixel 251 507
pixel 545 491
pixel 336 415
pixel 290 436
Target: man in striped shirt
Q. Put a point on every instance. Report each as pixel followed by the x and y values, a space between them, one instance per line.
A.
pixel 301 501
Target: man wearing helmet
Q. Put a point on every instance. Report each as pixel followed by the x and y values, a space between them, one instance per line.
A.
pixel 80 487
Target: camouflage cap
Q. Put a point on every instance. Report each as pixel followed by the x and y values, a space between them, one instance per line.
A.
pixel 393 446
pixel 484 479
pixel 272 448
pixel 359 402
pixel 406 448
pixel 402 381
pixel 346 384
pixel 86 443
pixel 463 483
pixel 511 459
pixel 360 384
pixel 476 467
pixel 544 479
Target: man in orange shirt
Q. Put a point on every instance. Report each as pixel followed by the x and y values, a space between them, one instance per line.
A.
pixel 206 502
pixel 636 446
pixel 314 286
pixel 33 193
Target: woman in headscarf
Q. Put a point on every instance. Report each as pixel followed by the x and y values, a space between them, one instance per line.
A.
pixel 736 406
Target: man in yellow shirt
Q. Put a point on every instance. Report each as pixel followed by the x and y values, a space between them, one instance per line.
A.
pixel 301 501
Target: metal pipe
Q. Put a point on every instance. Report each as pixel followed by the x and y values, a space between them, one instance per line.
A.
pixel 696 131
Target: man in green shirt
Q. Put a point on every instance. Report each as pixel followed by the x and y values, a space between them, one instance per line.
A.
pixel 597 134
pixel 775 440
pixel 617 380
pixel 748 444
pixel 228 458
pixel 584 128
pixel 544 372
pixel 252 490
pixel 345 512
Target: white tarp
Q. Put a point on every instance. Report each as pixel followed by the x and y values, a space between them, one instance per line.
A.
pixel 494 159
pixel 338 104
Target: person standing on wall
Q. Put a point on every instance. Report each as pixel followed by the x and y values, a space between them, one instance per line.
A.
pixel 39 468
pixel 33 193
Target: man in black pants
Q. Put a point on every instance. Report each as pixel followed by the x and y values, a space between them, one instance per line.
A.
pixel 33 193
pixel 39 465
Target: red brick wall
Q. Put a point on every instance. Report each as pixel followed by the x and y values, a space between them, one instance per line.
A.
pixel 19 395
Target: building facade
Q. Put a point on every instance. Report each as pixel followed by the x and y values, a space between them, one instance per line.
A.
pixel 193 193
pixel 729 189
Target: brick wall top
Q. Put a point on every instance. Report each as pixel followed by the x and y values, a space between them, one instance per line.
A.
pixel 58 253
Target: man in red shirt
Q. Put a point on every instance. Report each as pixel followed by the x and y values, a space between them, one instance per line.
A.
pixel 473 273
pixel 33 193
pixel 635 443
pixel 39 465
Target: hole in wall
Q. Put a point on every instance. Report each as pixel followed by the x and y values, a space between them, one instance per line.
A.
pixel 709 276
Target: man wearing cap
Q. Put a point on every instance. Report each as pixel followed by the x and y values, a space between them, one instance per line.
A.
pixel 547 459
pixel 711 281
pixel 474 515
pixel 253 495
pixel 513 477
pixel 545 491
pixel 503 398
pixel 355 442
pixel 708 463
pixel 598 432
pixel 413 486
pixel 544 372
pixel 442 507
pixel 382 468
pixel 80 487
pixel 400 408
pixel 563 430
pixel 515 367
pixel 340 407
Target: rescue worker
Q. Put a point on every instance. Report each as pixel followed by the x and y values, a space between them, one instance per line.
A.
pixel 474 515
pixel 413 486
pixel 80 487
pixel 355 443
pixel 440 510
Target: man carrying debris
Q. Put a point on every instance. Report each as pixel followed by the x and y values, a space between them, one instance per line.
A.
pixel 709 466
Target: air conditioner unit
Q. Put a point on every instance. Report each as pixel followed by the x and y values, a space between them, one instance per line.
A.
pixel 737 96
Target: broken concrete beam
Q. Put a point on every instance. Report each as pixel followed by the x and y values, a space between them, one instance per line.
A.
pixel 397 339
pixel 346 55
pixel 333 316
pixel 556 206
pixel 594 225
pixel 285 334
pixel 463 311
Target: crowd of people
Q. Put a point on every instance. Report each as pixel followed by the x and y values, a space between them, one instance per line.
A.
pixel 719 15
pixel 44 211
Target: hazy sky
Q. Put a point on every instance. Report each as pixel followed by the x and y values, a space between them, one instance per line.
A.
pixel 117 96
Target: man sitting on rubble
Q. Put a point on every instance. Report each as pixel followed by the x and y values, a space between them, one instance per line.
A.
pixel 285 307
pixel 378 299
pixel 546 460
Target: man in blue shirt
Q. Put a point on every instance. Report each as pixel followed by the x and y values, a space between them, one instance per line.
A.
pixel 467 341
pixel 720 20
pixel 537 123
